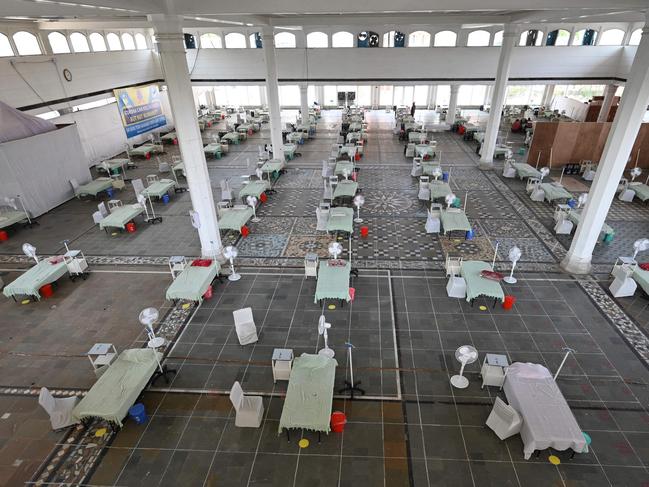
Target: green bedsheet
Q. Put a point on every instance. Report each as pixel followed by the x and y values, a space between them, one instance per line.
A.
pixel 245 127
pixel 113 166
pixel 119 387
pixel 355 126
pixel 310 393
pixel 234 218
pixel 273 165
pixel 8 218
pixel 159 188
pixel 479 286
pixel 346 151
pixel 354 136
pixel 94 187
pixel 438 189
pixel 345 189
pixel 425 150
pixel 121 216
pixel 289 151
pixel 179 167
pixel 31 281
pixel 454 220
pixel 554 192
pixel 340 220
pixel 416 137
pixel 145 149
pixel 192 283
pixel 231 137
pixel 575 217
pixel 641 277
pixel 171 136
pixel 295 137
pixel 428 168
pixel 342 166
pixel 525 170
pixel 641 190
pixel 333 282
pixel 213 149
pixel 254 188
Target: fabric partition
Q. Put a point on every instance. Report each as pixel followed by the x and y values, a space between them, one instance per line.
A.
pixel 39 168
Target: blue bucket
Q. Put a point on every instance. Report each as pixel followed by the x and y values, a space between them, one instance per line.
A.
pixel 469 234
pixel 138 413
pixel 109 192
pixel 165 198
pixel 572 203
pixel 444 176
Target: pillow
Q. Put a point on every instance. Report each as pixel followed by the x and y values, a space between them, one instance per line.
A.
pixel 202 263
pixel 644 266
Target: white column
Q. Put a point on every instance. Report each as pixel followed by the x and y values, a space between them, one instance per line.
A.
pixel 510 37
pixel 169 34
pixel 621 138
pixel 487 95
pixel 432 96
pixel 319 91
pixel 452 105
pixel 304 102
pixel 548 94
pixel 272 92
pixel 609 94
pixel 262 96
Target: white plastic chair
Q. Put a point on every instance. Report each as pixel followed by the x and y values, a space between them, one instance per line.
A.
pixel 164 167
pixel 424 188
pixel 410 150
pixel 102 209
pixel 244 325
pixel 249 409
pixel 417 169
pixel 59 410
pixel 322 215
pixel 138 186
pixel 504 420
pixel 75 186
pixel 97 217
pixel 226 191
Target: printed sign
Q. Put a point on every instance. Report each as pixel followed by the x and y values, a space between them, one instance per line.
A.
pixel 140 108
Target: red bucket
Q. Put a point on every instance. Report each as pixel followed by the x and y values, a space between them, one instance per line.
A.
pixel 509 302
pixel 245 231
pixel 263 198
pixel 4 236
pixel 208 293
pixel 358 156
pixel 338 422
pixel 364 231
pixel 175 141
pixel 46 291
pixel 249 131
pixel 148 155
pixel 130 227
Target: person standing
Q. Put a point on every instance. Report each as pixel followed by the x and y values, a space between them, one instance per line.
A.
pixel 412 109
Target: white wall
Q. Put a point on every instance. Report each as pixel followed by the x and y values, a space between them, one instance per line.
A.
pixel 574 109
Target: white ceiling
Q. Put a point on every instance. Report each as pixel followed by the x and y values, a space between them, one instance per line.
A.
pixel 329 12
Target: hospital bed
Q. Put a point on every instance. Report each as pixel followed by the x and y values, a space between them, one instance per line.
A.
pixel 234 218
pixel 346 151
pixel 423 150
pixel 119 386
pixel 417 137
pixel 343 167
pixel 503 150
pixel 476 285
pixel 333 280
pixel 295 137
pixel 289 151
pixel 428 168
pixel 213 149
pixel 341 220
pixel 412 126
pixel 438 189
pixel 192 283
pixel 525 170
pixel 564 212
pixel 454 219
pixel 146 150
pixel 309 395
pixel 171 137
pixel 180 166
pixel 254 188
pixel 641 190
pixel 159 188
pixel 356 136
pixel 345 189
pixel 231 138
pixel 120 216
pixel 355 127
pixel 11 217
pixel 94 187
pixel 554 191
pixel 113 166
pixel 30 282
pixel 245 128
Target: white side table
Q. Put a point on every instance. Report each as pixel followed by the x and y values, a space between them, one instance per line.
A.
pixel 282 364
pixel 494 370
pixel 101 355
pixel 456 287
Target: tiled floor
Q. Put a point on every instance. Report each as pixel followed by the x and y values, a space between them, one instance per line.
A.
pixel 412 428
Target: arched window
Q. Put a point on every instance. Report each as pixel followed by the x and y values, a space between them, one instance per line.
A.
pixel 235 40
pixel 79 42
pixel 284 40
pixel 113 42
pixel 317 39
pixel 394 38
pixel 97 42
pixel 58 43
pixel 211 41
pixel 558 37
pixel 5 46
pixel 445 38
pixel 256 41
pixel 140 41
pixel 498 38
pixel 584 37
pixel 419 38
pixel 26 43
pixel 128 42
pixel 612 37
pixel 388 39
pixel 478 38
pixel 531 37
pixel 634 40
pixel 342 39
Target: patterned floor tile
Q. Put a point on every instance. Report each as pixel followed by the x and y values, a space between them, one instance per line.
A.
pixel 506 228
pixel 532 250
pixel 476 249
pixel 262 245
pixel 300 245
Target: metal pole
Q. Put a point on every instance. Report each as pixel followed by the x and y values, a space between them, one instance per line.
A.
pixel 568 351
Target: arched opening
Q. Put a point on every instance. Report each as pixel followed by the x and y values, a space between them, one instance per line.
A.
pixel 498 38
pixel 342 39
pixel 532 37
pixel 445 38
pixel 235 40
pixel 79 42
pixel 26 43
pixel 634 40
pixel 612 37
pixel 478 38
pixel 97 42
pixel 5 46
pixel 584 37
pixel 419 38
pixel 58 43
pixel 559 37
pixel 317 40
pixel 284 40
pixel 128 42
pixel 140 41
pixel 211 41
pixel 113 42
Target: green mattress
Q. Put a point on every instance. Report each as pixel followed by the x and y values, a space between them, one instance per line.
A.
pixel 213 149
pixel 341 167
pixel 554 192
pixel 121 216
pixel 479 286
pixel 439 189
pixel 641 190
pixel 234 218
pixel 345 189
pixel 453 220
pixel 8 218
pixel 192 283
pixel 254 188
pixel 333 281
pixel 159 188
pixel 94 187
pixel 340 220
pixel 29 283
pixel 525 170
